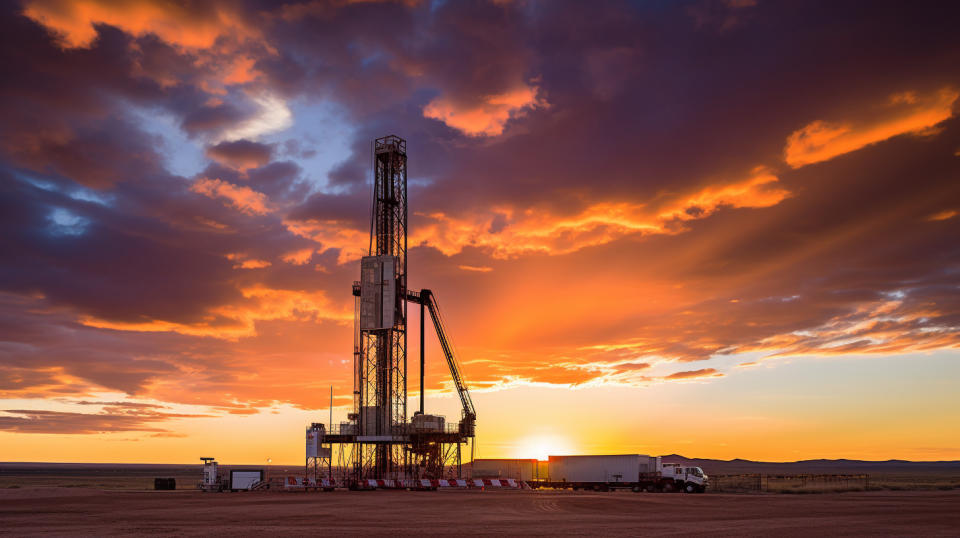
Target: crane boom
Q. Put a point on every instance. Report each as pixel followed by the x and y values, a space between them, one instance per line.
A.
pixel 430 300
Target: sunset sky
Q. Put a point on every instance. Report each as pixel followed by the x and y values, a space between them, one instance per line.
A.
pixel 725 229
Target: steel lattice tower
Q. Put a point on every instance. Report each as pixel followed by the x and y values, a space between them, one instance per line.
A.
pixel 378 442
pixel 380 383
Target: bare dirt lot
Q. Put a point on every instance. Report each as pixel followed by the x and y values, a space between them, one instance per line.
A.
pixel 82 511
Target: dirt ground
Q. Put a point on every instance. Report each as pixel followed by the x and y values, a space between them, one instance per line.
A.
pixel 82 511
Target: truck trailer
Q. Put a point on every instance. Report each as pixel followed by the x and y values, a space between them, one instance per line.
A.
pixel 635 472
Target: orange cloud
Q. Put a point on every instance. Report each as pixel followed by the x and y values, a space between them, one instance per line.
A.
pixel 298 257
pixel 241 71
pixel 332 234
pixel 905 113
pixel 946 214
pixel 692 374
pixel 253 264
pixel 245 199
pixel 73 21
pixel 235 321
pixel 213 33
pixel 532 230
pixel 488 117
pixel 482 269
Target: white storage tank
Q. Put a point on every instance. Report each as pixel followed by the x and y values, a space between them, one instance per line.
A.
pixel 428 423
pixel 315 448
pixel 209 473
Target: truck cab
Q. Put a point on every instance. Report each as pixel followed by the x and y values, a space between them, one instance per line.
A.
pixel 689 479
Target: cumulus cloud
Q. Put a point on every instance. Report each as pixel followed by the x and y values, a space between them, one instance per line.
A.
pixel 487 116
pixel 74 21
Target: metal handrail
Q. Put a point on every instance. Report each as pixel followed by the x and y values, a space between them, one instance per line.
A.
pixel 351 428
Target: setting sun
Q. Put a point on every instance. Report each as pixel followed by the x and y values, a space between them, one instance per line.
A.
pixel 544 445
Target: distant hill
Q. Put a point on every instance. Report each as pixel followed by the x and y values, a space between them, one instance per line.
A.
pixel 842 466
pixel 126 469
pixel 710 466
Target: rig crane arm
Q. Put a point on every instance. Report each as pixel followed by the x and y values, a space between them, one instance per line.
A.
pixel 469 413
pixel 426 298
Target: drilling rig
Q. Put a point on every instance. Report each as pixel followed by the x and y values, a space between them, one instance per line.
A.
pixel 378 441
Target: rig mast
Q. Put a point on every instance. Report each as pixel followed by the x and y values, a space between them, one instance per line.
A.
pixel 378 442
pixel 380 351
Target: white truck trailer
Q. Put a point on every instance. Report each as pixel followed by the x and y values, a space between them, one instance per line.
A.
pixel 636 472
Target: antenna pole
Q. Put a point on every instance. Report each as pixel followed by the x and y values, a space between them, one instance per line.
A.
pixel 421 358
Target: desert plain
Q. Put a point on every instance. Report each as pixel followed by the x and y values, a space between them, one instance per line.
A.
pixel 88 511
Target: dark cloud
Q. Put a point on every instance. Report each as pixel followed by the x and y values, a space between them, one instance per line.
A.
pixel 210 118
pixel 60 422
pixel 241 154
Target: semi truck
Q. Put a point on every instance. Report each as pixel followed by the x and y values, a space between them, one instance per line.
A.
pixel 635 472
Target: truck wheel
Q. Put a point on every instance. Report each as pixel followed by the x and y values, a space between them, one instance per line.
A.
pixel 690 488
pixel 649 488
pixel 636 489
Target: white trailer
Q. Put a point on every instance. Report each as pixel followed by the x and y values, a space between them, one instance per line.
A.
pixel 626 471
pixel 607 469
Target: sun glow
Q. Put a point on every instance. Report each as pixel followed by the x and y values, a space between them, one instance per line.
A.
pixel 542 446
